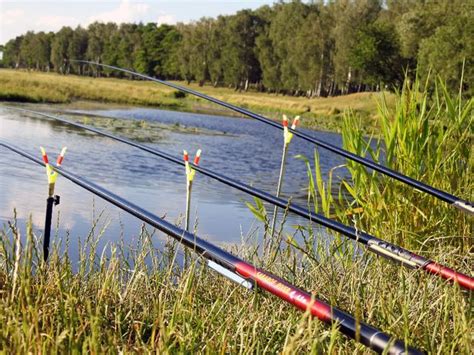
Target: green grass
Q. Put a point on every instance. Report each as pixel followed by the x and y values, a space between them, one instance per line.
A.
pixel 318 113
pixel 135 298
pixel 120 303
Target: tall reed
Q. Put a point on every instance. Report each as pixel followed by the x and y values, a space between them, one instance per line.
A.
pixel 429 136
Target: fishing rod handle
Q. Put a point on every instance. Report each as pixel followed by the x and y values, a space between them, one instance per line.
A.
pixel 451 275
pixel 414 261
pixel 348 325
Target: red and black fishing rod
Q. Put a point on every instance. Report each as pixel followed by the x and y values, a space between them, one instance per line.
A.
pixel 457 202
pixel 242 270
pixel 374 244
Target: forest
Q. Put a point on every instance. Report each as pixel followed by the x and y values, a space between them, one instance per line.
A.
pixel 316 48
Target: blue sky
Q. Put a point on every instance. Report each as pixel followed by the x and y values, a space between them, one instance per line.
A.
pixel 19 16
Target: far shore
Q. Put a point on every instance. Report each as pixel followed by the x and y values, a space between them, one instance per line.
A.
pixel 317 113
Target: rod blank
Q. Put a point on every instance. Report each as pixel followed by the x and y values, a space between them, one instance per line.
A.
pixel 348 325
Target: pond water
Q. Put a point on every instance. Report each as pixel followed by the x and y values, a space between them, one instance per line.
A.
pixel 240 148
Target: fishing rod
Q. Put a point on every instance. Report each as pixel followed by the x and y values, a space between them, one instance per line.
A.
pixel 243 272
pixel 463 205
pixel 373 244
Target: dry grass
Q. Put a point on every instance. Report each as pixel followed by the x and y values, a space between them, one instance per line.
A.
pixel 56 88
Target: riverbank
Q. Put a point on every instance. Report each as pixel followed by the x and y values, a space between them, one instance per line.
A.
pixel 318 113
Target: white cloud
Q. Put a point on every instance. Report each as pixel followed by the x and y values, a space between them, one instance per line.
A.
pixel 9 17
pixel 125 12
pixel 54 22
pixel 166 19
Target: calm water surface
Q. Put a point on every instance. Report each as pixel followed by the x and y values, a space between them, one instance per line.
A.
pixel 243 149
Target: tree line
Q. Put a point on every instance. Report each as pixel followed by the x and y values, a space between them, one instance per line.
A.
pixel 320 48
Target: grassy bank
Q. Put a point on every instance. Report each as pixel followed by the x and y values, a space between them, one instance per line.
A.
pixel 319 113
pixel 135 298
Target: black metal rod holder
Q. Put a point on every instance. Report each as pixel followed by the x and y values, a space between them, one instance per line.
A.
pixel 50 202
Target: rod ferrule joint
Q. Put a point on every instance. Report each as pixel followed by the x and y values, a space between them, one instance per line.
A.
pixel 465 206
pixel 397 254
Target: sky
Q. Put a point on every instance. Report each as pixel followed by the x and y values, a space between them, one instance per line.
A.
pixel 19 16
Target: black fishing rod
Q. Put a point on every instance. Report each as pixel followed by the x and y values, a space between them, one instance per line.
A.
pixel 244 273
pixel 374 244
pixel 457 202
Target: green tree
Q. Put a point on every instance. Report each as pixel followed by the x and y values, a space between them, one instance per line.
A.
pixel 450 51
pixel 26 50
pixel 98 45
pixel 216 52
pixel 268 59
pixel 77 49
pixel 285 26
pixel 376 55
pixel 145 61
pixel 350 17
pixel 2 50
pixel 42 50
pixel 312 46
pixel 60 50
pixel 195 48
pixel 169 67
pixel 129 43
pixel 240 63
pixel 12 52
pixel 166 39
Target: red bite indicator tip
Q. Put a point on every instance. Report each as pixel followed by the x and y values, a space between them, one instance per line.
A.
pixel 44 155
pixel 61 157
pixel 185 155
pixel 285 121
pixel 197 157
pixel 295 122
